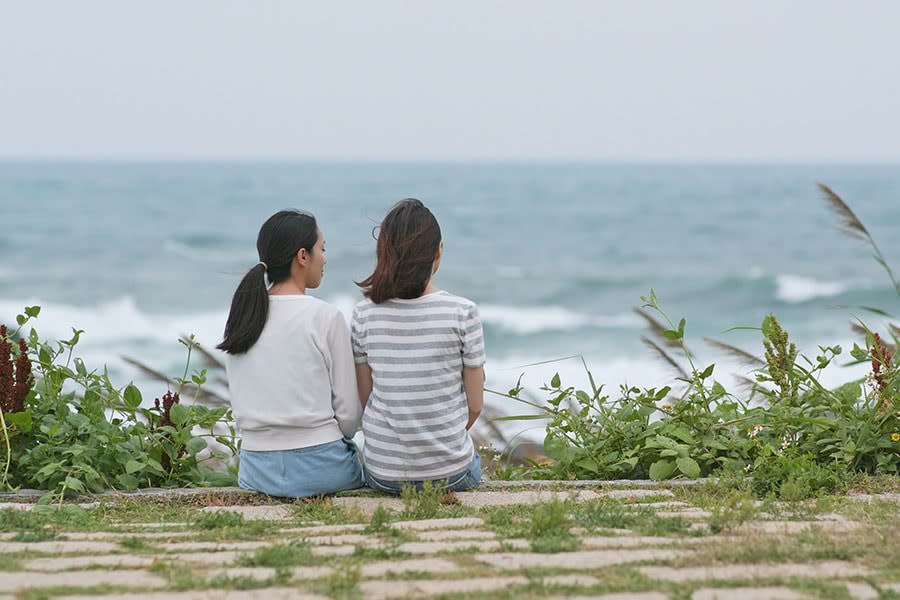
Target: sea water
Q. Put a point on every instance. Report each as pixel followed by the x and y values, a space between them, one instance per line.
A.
pixel 557 256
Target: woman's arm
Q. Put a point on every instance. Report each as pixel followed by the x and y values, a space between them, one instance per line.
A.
pixel 363 382
pixel 346 408
pixel 473 384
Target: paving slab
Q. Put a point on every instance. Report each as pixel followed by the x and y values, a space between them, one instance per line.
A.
pixel 438 547
pixel 368 505
pixel 307 573
pixel 875 497
pixel 426 524
pixel 255 573
pixel 621 541
pixel 443 535
pixel 665 505
pixel 636 494
pixel 323 529
pixel 54 547
pixel 794 527
pixel 340 540
pixel 587 559
pixel 23 580
pixel 486 499
pixel 122 561
pixel 255 513
pixel 748 593
pixel 861 591
pixel 571 580
pixel 684 514
pixel 380 589
pixel 618 596
pixel 153 525
pixel 333 550
pixel 118 536
pixel 202 558
pixel 280 593
pixel 826 569
pixel 15 506
pixel 263 573
pixel 425 565
pixel 178 546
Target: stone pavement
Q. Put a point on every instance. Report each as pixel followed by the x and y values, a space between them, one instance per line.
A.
pixel 643 543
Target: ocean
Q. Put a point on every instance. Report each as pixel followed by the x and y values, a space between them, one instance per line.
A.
pixel 556 255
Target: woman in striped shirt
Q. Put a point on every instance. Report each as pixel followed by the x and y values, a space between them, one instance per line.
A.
pixel 419 355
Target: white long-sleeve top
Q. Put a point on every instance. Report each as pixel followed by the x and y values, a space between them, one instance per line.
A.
pixel 296 387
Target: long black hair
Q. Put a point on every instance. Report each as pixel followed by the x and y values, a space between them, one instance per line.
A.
pixel 408 241
pixel 280 239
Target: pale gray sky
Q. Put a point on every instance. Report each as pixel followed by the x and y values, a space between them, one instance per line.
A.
pixel 463 79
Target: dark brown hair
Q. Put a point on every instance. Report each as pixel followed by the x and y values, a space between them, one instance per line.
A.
pixel 408 242
pixel 280 239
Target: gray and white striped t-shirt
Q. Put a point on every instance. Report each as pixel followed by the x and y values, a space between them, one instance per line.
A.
pixel 415 418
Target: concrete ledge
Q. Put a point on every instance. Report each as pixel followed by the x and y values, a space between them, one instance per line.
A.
pixel 32 496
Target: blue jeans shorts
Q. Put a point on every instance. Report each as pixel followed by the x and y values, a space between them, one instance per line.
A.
pixel 302 472
pixel 468 479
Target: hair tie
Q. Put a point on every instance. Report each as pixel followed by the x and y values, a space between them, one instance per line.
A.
pixel 265 266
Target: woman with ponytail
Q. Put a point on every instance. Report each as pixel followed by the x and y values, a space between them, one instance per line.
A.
pixel 419 355
pixel 290 369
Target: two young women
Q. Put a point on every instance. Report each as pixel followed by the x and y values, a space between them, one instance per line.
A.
pixel 296 395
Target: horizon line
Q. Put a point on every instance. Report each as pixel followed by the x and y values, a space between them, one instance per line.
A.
pixel 149 159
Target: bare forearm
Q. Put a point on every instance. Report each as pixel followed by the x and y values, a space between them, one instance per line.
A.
pixel 364 382
pixel 473 385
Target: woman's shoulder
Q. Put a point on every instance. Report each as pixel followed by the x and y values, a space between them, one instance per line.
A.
pixel 461 301
pixel 363 305
pixel 307 305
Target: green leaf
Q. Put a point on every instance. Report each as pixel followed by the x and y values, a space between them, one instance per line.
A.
pixel 661 469
pixel 682 434
pixel 133 466
pixel 858 353
pixel 32 311
pixel 132 397
pixel 671 334
pixel 707 371
pixel 629 462
pixel 195 445
pixel 20 319
pixel 688 466
pixel 127 482
pixel 554 383
pixel 74 483
pixel 22 421
pixel 179 414
pixel 80 368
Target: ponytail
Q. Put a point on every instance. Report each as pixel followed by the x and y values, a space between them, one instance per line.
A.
pixel 280 239
pixel 249 311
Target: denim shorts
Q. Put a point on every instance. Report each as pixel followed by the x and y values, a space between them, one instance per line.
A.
pixel 468 479
pixel 302 472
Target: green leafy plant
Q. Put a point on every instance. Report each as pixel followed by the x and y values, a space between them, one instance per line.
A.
pixel 793 437
pixel 68 430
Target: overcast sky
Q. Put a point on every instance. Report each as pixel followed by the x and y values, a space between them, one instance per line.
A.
pixel 461 80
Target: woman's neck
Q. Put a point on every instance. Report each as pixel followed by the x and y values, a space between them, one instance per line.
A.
pixel 288 287
pixel 430 288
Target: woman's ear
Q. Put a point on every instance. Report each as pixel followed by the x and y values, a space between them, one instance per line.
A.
pixel 303 257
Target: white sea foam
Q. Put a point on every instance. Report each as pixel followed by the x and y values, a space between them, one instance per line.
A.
pixel 795 289
pixel 535 319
